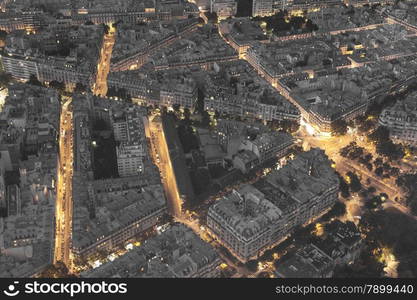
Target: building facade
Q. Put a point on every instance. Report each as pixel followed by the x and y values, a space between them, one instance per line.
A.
pixel 257 216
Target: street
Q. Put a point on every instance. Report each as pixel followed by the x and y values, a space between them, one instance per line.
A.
pixel 63 208
pixel 160 153
pixel 103 67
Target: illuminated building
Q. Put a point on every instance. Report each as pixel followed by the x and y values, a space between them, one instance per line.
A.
pixel 240 33
pixel 307 262
pixel 401 120
pixel 257 216
pixel 176 253
pixel 224 8
pixel 262 8
pixel 136 42
pixel 234 88
pixel 78 64
pixel 108 212
pixel 269 145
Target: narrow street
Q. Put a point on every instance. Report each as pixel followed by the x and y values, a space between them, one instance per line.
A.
pixel 103 68
pixel 63 207
pixel 160 153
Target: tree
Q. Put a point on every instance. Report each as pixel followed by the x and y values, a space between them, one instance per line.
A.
pixel 205 120
pixel 60 86
pixel 338 210
pixel 354 182
pixel 33 80
pixel 379 171
pixel 211 16
pixel 252 265
pixel 176 108
pixel 217 115
pixel 378 162
pixel 4 79
pixel 390 150
pixel 187 137
pixel 199 107
pixel 100 125
pixel 106 28
pixel 263 275
pixel 281 23
pixel 407 182
pixel 200 179
pixel 391 229
pixel 3 35
pixel 187 115
pixel 80 88
pixel 290 126
pixel 365 123
pixel 373 202
pixel 343 186
pixel 339 127
pixel 120 93
pixel 380 135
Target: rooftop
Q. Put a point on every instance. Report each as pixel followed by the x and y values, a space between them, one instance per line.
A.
pixel 204 44
pixel 76 48
pixel 26 235
pixel 252 209
pixel 307 262
pixel 176 253
pixel 308 175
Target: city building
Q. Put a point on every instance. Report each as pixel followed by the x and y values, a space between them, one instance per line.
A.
pixel 129 131
pixel 3 200
pixel 110 211
pixel 262 8
pixel 27 19
pixel 234 88
pixel 136 42
pixel 176 253
pixel 340 245
pixel 401 120
pixel 14 200
pixel 107 213
pixel 343 242
pixel 241 33
pixel 131 11
pixel 231 133
pixel 250 220
pixel 224 8
pixel 345 18
pixel 327 98
pixel 160 88
pixel 27 227
pixel 245 161
pixel 307 262
pixel 203 47
pixel 69 56
pixel 284 58
pixel 176 87
pixel 269 145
